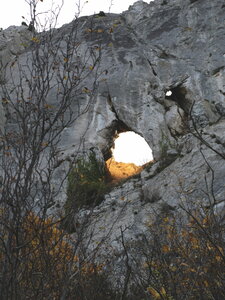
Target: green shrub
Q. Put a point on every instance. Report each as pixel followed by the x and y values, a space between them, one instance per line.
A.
pixel 87 183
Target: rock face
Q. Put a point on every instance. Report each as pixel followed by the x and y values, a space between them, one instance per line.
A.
pixel 150 49
pixel 13 41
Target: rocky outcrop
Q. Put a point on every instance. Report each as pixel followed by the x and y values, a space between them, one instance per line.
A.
pixel 13 41
pixel 150 49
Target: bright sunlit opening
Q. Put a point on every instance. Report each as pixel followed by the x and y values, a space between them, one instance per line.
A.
pixel 131 148
pixel 168 93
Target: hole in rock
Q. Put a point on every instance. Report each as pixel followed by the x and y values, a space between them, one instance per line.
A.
pixel 129 154
pixel 178 95
pixel 168 93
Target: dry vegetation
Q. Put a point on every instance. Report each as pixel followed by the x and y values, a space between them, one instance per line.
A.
pixel 175 260
pixel 120 170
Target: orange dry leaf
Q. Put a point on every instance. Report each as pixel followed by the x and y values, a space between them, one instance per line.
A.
pixel 193 270
pixel 194 241
pixel 48 106
pixel 44 144
pixel 165 248
pixel 153 292
pixel 166 219
pixel 218 258
pixel 206 283
pixel 163 291
pixel 35 40
pixel 86 90
pixel 221 250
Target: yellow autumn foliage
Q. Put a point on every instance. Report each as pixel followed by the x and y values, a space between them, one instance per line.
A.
pixel 153 292
pixel 190 256
pixel 47 256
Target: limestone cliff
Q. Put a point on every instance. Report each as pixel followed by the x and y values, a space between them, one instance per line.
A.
pixel 177 46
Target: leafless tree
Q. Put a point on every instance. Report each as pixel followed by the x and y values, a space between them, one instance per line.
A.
pixel 38 259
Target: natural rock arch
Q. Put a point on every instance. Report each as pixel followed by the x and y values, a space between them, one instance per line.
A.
pixel 130 153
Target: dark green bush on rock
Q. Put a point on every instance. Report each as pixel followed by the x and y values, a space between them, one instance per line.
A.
pixel 87 183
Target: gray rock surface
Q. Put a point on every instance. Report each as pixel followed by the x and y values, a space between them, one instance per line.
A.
pixel 146 51
pixel 2 118
pixel 13 41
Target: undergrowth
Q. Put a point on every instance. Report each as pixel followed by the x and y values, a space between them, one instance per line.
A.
pixel 87 183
